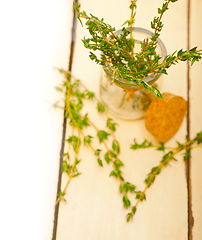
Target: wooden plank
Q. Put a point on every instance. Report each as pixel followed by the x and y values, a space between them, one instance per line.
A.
pixel 58 23
pixel 94 207
pixel 196 117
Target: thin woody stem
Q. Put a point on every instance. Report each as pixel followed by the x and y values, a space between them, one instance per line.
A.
pixel 104 142
pixel 163 164
pixel 115 46
pixel 160 20
pixel 112 34
pixel 71 174
pixel 174 60
pixel 63 71
pixel 67 109
pixel 131 27
pixel 153 175
pixel 58 200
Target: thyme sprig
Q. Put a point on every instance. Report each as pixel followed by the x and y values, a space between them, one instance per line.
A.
pixel 167 157
pixel 73 106
pixel 117 53
pixel 74 97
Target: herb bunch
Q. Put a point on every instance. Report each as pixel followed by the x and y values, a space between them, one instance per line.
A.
pixel 116 52
pixel 73 105
pixel 75 93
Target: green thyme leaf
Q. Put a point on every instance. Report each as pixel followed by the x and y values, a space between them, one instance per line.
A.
pixel 102 135
pixel 113 146
pixel 87 139
pixel 132 188
pixel 97 152
pixel 100 162
pixel 61 194
pixel 161 148
pixel 77 161
pixel 186 156
pixel 118 163
pixel 112 154
pixel 158 171
pixel 111 125
pixel 143 197
pixel 179 144
pixel 145 144
pixel 66 167
pixel 77 174
pixel 115 172
pixel 120 188
pixel 85 120
pixel 126 201
pixel 107 158
pixel 65 154
pixel 138 195
pixel 129 216
pixel 199 137
pixel 100 107
pixel 75 142
pixel 134 209
pixel 90 94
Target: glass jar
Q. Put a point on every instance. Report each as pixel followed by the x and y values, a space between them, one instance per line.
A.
pixel 113 97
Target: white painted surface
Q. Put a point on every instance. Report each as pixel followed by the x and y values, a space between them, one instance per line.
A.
pixel 59 16
pixel 94 207
pixel 35 36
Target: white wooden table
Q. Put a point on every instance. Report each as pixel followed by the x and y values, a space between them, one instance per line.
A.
pixel 94 208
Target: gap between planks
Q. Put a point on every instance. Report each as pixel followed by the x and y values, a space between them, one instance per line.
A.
pixel 188 163
pixel 55 223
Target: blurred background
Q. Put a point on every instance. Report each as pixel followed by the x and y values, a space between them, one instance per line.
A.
pixel 33 40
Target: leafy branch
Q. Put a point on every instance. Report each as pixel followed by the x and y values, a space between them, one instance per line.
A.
pixel 169 156
pixel 73 105
pixel 117 53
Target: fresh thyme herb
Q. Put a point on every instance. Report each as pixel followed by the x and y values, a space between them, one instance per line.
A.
pixel 73 107
pixel 116 52
pixel 167 157
pixel 74 96
pixel 117 55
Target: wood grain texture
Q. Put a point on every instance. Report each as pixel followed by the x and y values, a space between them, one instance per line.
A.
pixel 94 208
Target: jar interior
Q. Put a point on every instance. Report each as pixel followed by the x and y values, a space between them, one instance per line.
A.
pixel 114 97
